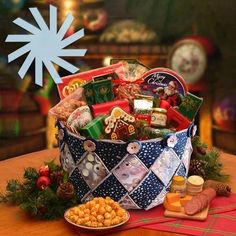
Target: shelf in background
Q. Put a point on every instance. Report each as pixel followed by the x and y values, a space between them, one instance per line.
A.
pixel 224 139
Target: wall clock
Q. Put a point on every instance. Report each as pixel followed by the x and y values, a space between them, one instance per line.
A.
pixel 188 58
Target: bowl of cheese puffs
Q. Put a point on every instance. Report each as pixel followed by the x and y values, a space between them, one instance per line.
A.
pixel 97 214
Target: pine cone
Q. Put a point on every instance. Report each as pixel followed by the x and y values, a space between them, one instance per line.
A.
pixel 220 188
pixel 201 150
pixel 65 191
pixel 197 167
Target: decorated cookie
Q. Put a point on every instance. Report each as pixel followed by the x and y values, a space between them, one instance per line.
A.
pixel 119 125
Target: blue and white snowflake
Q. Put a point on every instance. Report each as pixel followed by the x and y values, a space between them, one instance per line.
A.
pixel 46 45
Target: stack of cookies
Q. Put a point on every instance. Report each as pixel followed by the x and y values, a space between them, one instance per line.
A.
pixel 194 185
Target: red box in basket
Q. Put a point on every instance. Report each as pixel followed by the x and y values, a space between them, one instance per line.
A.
pixel 104 108
pixel 72 82
pixel 175 118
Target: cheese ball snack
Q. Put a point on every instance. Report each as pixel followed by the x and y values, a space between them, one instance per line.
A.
pixel 99 212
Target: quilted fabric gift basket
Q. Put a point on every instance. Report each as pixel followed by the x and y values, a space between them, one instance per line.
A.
pixel 102 150
pixel 136 173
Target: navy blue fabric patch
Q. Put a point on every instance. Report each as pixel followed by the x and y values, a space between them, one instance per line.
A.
pixel 62 134
pixel 150 152
pixel 181 142
pixel 110 187
pixel 150 188
pixel 111 153
pixel 76 147
pixel 181 170
pixel 80 185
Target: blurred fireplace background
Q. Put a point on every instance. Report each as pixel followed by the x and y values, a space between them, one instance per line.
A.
pixel 24 124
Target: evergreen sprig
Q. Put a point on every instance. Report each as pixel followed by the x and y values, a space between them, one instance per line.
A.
pixel 208 162
pixel 43 204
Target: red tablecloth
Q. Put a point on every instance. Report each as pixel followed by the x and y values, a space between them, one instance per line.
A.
pixel 220 221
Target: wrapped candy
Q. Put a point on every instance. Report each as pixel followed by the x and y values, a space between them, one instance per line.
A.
pixel 128 91
pixel 133 69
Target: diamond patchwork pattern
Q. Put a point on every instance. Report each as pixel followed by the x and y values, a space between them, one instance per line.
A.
pixel 150 152
pixel 136 177
pixel 180 146
pixel 150 188
pixel 165 166
pixel 111 153
pixel 92 169
pixel 80 185
pixel 110 187
pixel 76 147
pixel 130 172
pixel 127 202
pixel 187 152
pixel 181 170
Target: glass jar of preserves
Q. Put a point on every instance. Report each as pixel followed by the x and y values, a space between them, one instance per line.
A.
pixel 178 185
pixel 159 117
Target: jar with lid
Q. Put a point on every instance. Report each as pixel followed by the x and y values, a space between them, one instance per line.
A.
pixel 159 117
pixel 178 185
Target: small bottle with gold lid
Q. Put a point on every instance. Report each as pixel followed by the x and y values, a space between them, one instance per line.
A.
pixel 159 117
pixel 178 185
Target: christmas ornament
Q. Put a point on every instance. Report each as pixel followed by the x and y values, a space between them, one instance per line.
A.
pixel 50 203
pixel 65 191
pixel 44 171
pixel 57 176
pixel 224 110
pixel 43 182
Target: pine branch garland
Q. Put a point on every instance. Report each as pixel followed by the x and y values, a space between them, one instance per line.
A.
pixel 40 203
pixel 206 163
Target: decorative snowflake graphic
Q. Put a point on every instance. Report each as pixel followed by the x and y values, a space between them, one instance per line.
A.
pixel 46 45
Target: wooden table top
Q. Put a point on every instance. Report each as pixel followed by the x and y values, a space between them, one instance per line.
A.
pixel 13 221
